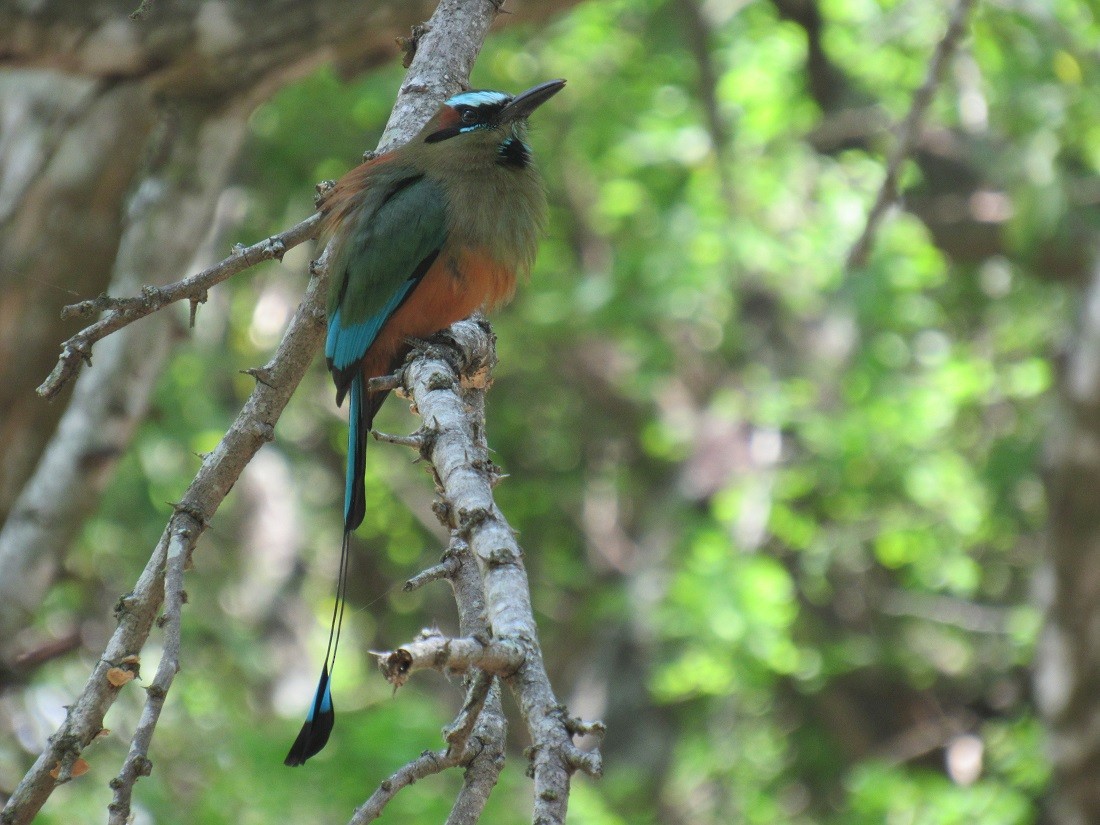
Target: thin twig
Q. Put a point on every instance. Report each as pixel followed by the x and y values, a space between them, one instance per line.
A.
pixel 909 132
pixel 427 764
pixel 137 762
pixel 477 691
pixel 123 311
pixel 476 737
pixel 416 440
pixel 444 570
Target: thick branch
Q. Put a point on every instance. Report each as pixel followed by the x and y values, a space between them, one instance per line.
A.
pixel 476 737
pixel 460 458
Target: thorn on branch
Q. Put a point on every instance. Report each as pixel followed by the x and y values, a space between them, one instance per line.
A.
pixel 261 374
pixel 195 300
pixel 446 569
pixel 385 383
pixel 416 440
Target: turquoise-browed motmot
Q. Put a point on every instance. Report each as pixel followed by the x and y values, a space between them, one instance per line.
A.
pixel 420 238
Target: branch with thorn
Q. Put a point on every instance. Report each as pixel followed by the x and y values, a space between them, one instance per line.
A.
pixel 443 60
pixel 120 312
pixel 447 379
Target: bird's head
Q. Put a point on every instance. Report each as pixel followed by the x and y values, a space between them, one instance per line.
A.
pixel 488 121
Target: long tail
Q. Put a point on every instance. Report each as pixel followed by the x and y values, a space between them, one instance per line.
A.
pixel 319 721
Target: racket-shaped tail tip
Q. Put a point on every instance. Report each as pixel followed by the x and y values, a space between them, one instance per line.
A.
pixel 318 726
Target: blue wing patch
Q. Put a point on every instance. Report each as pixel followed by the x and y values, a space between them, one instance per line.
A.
pixel 381 257
pixel 346 345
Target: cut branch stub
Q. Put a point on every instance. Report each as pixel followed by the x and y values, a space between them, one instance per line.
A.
pixel 431 650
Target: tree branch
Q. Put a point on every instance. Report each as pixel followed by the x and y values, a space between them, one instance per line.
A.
pixel 910 131
pixel 137 762
pixel 432 650
pixel 121 312
pixel 460 461
pixel 443 61
pixel 476 738
pixel 253 428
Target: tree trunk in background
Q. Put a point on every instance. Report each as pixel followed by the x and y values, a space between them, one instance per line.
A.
pixel 117 138
pixel 1067 661
pixel 70 150
pixel 166 219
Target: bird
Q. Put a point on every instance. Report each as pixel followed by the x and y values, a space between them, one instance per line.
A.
pixel 418 238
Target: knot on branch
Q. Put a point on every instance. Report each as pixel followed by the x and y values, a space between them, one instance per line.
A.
pixel 276 248
pixel 408 44
pixel 432 650
pixel 395 665
pixel 582 727
pixel 501 557
pixel 468 520
pixel 263 430
pixel 324 189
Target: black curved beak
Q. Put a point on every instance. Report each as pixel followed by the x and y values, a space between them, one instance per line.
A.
pixel 526 102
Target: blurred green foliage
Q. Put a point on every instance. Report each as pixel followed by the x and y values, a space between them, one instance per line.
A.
pixel 779 516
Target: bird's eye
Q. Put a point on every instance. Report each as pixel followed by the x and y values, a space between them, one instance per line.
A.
pixel 468 116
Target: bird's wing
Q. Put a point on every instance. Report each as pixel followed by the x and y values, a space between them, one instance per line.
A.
pixel 381 254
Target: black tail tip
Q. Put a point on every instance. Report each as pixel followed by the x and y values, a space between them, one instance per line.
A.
pixel 311 739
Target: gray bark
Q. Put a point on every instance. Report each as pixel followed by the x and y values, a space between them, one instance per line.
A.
pixel 1067 662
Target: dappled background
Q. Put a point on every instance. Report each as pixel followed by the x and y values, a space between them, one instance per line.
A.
pixel 783 517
